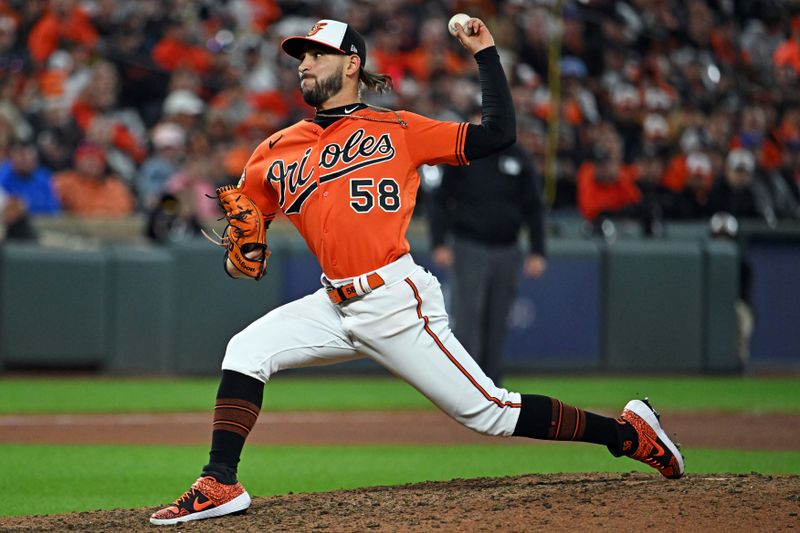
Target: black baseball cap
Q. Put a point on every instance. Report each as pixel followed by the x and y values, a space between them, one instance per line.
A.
pixel 332 34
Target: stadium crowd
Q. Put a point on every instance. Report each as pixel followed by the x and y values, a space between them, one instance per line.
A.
pixel 671 109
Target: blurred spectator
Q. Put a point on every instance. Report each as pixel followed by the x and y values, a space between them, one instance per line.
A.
pixel 169 221
pixel 249 133
pixel 64 24
pixel 785 181
pixel 169 143
pixel 606 185
pixel 787 54
pixel 790 170
pixel 257 71
pixel 119 131
pixel 754 135
pixel 626 115
pixel 657 200
pixel 15 223
pixel 188 197
pixel 656 132
pixel 194 186
pixel 57 134
pixel 143 84
pixel 65 76
pixel 15 94
pixel 184 108
pixel 579 106
pixel 13 54
pixel 6 137
pixel 434 54
pixel 89 190
pixel 179 48
pixel 738 192
pixel 693 140
pixel 760 37
pixel 691 201
pixel 23 177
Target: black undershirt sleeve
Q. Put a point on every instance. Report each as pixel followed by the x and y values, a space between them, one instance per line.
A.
pixel 498 127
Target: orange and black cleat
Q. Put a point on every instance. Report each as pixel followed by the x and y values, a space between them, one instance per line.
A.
pixel 654 448
pixel 206 498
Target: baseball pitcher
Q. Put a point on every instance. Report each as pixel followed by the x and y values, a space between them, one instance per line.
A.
pixel 347 180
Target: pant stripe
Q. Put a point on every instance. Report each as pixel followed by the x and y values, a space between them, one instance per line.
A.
pixel 429 331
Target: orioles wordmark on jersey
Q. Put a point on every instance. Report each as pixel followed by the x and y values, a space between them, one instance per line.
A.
pixel 350 188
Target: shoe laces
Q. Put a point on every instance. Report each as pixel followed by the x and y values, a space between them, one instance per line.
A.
pixel 186 495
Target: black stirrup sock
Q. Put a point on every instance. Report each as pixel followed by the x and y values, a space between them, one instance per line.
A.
pixel 237 407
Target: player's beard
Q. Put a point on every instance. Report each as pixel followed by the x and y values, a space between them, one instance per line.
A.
pixel 323 90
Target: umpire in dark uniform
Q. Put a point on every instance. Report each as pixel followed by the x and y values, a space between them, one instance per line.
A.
pixel 475 217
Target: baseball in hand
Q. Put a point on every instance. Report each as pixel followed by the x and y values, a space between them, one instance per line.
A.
pixel 460 18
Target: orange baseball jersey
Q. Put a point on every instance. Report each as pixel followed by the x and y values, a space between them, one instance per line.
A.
pixel 350 188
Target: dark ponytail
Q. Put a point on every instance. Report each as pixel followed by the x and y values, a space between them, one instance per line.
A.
pixel 380 83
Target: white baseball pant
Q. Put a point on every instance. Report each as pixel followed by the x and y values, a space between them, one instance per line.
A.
pixel 401 325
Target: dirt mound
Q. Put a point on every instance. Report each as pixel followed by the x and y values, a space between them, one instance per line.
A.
pixel 575 502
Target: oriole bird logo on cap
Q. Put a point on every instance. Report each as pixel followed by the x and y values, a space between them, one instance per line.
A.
pixel 319 26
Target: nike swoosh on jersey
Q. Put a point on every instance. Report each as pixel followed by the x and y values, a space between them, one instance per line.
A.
pixel 348 111
pixel 274 142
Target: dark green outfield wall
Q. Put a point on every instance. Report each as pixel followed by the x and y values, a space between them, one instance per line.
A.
pixel 637 305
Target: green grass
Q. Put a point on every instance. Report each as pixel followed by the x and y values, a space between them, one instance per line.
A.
pixel 51 479
pixel 106 395
pixel 57 479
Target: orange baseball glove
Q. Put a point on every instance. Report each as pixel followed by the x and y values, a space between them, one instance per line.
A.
pixel 245 237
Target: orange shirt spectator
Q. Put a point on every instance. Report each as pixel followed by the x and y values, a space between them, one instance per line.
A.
pixel 675 176
pixel 64 21
pixel 423 61
pixel 119 134
pixel 262 13
pixel 433 54
pixel 88 191
pixel 174 51
pixel 596 196
pixel 787 54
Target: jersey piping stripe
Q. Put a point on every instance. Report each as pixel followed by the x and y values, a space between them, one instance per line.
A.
pixel 300 200
pixel 460 135
pixel 497 401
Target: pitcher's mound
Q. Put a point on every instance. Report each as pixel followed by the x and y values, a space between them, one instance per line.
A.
pixel 573 502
